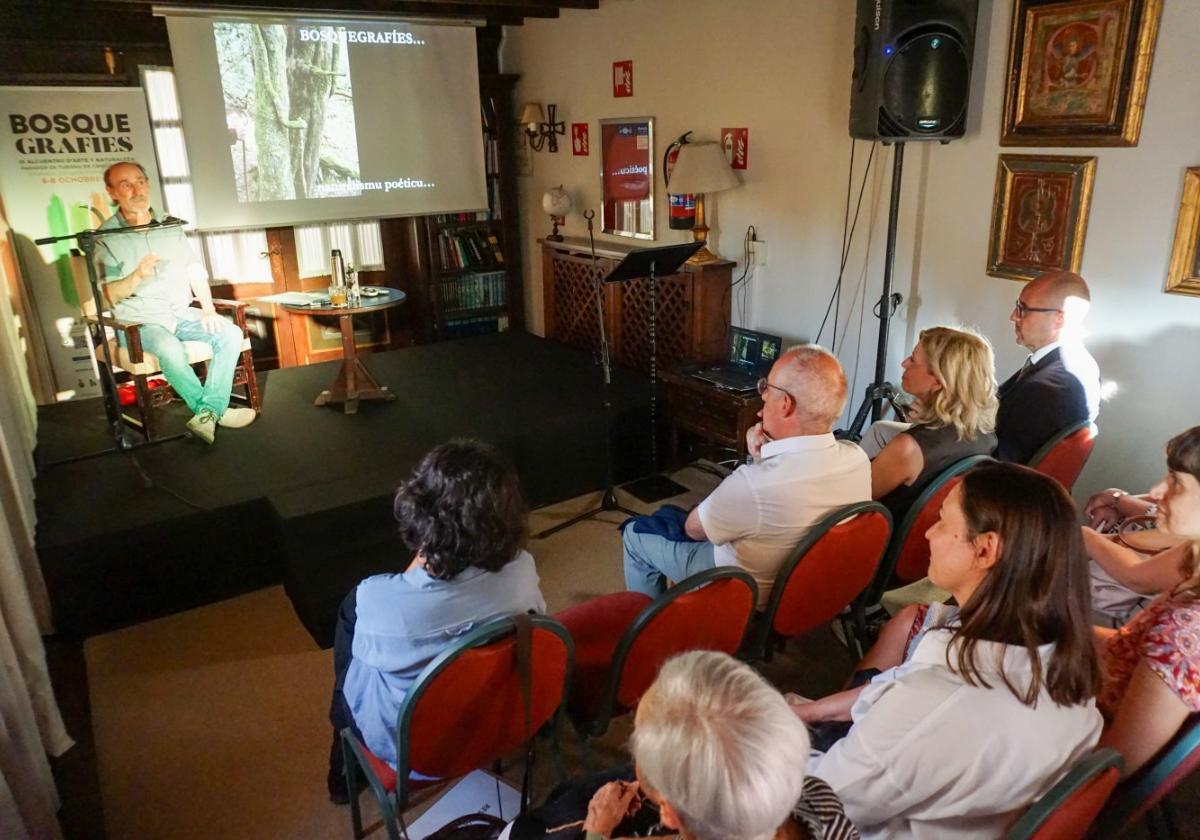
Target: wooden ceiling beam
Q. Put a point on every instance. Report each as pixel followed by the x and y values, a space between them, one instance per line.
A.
pixel 505 12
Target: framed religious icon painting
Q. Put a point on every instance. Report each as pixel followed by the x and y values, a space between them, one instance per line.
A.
pixel 1183 275
pixel 1078 71
pixel 1039 214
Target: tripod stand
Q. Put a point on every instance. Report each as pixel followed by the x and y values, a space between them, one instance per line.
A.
pixel 879 389
pixel 609 500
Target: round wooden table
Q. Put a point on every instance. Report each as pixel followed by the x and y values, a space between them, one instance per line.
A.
pixel 354 382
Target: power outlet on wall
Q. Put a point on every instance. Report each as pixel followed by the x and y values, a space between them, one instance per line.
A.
pixel 758 251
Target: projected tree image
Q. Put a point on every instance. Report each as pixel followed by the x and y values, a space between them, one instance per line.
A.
pixel 289 111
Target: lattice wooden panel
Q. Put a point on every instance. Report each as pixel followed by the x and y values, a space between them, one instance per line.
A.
pixel 672 325
pixel 575 302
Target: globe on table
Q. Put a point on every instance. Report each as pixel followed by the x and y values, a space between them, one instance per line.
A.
pixel 557 204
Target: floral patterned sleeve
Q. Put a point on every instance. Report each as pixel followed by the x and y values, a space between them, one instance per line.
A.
pixel 1171 649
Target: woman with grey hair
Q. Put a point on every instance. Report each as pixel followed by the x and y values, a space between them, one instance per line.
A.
pixel 720 756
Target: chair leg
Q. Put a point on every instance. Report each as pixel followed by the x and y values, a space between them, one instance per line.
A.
pixel 145 406
pixel 858 632
pixel 251 381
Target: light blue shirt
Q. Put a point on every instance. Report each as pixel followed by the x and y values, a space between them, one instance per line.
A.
pixel 405 620
pixel 162 298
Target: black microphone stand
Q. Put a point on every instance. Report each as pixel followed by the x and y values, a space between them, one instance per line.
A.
pixel 608 502
pixel 87 239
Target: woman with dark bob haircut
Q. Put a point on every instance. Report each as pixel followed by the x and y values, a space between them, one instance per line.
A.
pixel 991 699
pixel 462 519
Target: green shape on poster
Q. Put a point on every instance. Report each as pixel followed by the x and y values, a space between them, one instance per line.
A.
pixel 56 223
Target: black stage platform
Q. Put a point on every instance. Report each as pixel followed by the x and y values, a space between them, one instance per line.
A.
pixel 303 496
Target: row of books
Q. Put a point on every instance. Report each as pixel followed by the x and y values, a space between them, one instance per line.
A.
pixel 491 154
pixel 463 218
pixel 469 248
pixel 475 291
pixel 485 325
pixel 493 188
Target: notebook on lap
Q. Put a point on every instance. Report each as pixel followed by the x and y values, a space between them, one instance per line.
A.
pixel 750 357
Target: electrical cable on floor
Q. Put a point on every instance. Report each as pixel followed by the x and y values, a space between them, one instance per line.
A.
pixel 150 484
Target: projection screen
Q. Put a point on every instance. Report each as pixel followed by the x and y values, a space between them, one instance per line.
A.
pixel 291 120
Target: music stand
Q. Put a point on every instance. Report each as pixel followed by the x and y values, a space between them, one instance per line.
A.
pixel 651 263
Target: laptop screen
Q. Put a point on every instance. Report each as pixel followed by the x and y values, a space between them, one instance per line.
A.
pixel 752 352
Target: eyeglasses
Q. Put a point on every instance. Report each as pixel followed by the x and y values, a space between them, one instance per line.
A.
pixel 763 385
pixel 1022 310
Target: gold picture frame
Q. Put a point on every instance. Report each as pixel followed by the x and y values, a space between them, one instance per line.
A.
pixel 1039 214
pixel 1183 274
pixel 1078 72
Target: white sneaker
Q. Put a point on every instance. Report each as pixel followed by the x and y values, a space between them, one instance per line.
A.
pixel 204 426
pixel 237 418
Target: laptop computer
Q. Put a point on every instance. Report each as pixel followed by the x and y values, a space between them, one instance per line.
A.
pixel 750 357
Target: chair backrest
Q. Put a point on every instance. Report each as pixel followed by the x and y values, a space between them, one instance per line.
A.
pixel 708 611
pixel 1064 455
pixel 466 709
pixel 1069 808
pixel 830 567
pixel 908 553
pixel 1150 785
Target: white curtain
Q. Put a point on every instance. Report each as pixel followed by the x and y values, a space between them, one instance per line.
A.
pixel 30 723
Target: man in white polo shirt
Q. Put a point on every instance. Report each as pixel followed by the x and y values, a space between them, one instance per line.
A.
pixel 758 514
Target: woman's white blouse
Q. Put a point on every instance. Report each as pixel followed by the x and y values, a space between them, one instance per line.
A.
pixel 931 756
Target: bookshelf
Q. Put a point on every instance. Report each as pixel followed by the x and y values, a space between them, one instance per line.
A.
pixel 474 277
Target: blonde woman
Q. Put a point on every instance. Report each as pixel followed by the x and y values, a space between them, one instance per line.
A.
pixel 1152 664
pixel 951 375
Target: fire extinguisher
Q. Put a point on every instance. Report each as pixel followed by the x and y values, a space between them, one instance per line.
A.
pixel 682 208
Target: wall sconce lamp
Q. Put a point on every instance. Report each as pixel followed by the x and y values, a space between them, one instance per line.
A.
pixel 542 133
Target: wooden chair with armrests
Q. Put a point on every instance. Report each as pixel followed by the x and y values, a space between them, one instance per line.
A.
pixel 1064 455
pixel 1068 809
pixel 139 365
pixel 621 639
pixel 466 710
pixel 829 570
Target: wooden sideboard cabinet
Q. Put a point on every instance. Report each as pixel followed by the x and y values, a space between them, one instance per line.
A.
pixel 693 308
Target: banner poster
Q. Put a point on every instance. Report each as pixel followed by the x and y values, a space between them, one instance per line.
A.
pixel 55 143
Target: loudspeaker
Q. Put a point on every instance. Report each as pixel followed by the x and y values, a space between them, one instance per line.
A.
pixel 912 69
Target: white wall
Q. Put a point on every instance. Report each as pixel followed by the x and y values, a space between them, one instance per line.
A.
pixel 782 68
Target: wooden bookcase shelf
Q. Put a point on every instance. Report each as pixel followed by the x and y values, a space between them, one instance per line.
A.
pixel 472 278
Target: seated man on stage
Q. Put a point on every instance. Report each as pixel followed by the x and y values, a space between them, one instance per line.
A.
pixel 151 279
pixel 757 515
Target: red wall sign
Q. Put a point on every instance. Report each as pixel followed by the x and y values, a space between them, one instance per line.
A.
pixel 736 142
pixel 623 78
pixel 579 139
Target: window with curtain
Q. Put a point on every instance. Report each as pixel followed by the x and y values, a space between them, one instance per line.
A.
pixel 359 243
pixel 238 256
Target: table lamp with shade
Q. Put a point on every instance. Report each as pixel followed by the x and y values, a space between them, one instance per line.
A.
pixel 557 204
pixel 700 169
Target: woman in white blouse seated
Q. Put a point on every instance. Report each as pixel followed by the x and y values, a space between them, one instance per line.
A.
pixel 995 699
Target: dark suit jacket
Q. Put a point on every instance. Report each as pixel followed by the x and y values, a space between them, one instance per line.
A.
pixel 1061 390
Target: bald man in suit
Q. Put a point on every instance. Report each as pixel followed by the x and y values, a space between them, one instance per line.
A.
pixel 1059 384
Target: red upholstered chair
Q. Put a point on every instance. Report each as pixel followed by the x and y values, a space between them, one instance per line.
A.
pixel 1144 794
pixel 1069 808
pixel 830 568
pixel 625 637
pixel 907 557
pixel 1063 456
pixel 465 710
